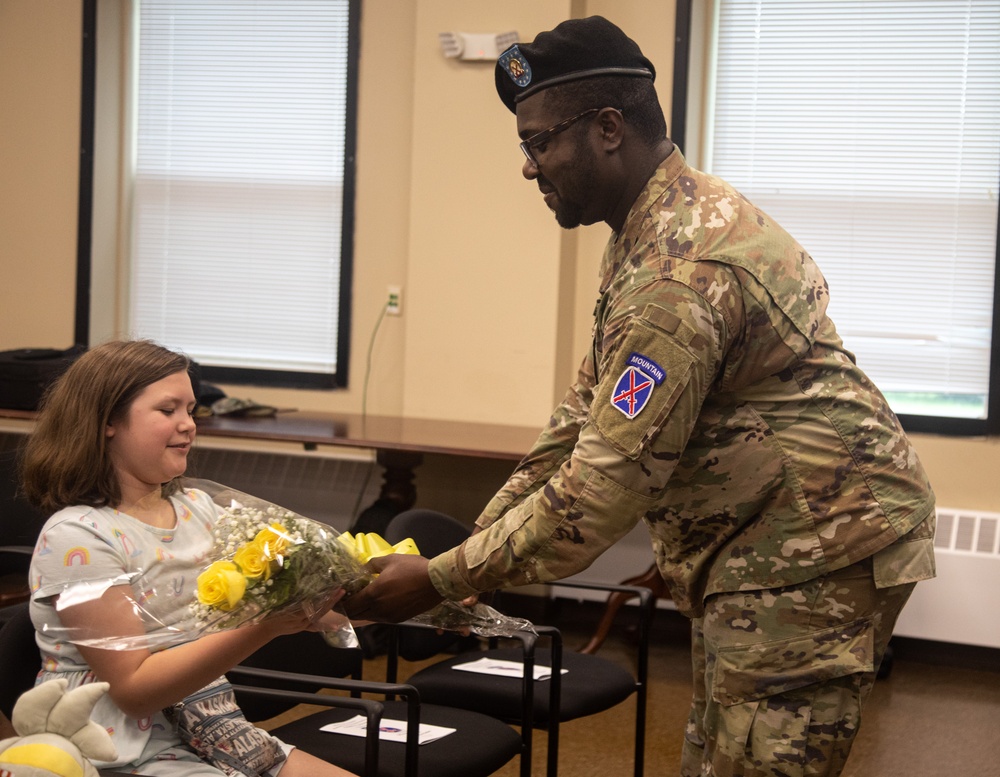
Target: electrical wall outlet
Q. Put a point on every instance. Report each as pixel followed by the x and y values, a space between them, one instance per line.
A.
pixel 394 302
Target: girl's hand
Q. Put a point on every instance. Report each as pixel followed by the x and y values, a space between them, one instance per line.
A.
pixel 309 616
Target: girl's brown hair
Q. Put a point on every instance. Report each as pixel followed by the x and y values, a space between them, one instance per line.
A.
pixel 65 461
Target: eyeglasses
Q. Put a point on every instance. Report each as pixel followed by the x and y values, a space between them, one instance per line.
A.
pixel 544 135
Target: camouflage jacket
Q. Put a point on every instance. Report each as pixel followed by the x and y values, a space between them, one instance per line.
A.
pixel 719 406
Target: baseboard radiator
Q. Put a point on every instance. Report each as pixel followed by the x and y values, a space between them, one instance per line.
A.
pixel 962 604
pixel 327 484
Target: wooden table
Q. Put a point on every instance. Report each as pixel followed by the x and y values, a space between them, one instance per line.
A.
pixel 400 443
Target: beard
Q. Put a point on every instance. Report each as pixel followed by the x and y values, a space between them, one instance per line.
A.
pixel 568 215
pixel 577 188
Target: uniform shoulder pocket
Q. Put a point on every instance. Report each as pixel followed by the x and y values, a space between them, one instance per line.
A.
pixel 645 377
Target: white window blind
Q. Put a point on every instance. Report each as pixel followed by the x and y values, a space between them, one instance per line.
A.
pixel 870 129
pixel 239 180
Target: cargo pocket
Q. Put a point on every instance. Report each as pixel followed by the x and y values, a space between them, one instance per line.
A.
pixel 746 673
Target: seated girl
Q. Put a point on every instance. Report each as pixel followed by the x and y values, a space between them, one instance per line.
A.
pixel 110 446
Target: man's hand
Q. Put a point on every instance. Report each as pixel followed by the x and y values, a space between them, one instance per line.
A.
pixel 402 589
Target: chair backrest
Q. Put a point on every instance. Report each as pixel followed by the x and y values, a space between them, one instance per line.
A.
pixel 19 520
pixel 20 524
pixel 434 533
pixel 19 656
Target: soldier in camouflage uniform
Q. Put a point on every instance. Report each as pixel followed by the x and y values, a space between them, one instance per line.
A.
pixel 789 514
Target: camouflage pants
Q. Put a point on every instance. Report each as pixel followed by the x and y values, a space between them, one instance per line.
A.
pixel 781 675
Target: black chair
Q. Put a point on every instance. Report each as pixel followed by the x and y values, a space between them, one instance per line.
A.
pixel 304 664
pixel 19 655
pixel 14 563
pixel 21 661
pixel 20 523
pixel 590 684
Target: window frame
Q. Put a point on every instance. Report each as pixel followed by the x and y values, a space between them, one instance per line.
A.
pixel 84 279
pixel 944 425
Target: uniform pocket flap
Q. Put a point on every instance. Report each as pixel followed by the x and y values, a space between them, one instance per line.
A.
pixel 750 672
pixel 909 559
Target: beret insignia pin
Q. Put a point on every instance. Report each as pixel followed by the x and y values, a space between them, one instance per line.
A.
pixel 516 66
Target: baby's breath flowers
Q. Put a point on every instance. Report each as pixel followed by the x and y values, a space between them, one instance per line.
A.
pixel 268 559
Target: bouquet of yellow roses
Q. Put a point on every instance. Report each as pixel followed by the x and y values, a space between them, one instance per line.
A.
pixel 269 559
pixel 260 560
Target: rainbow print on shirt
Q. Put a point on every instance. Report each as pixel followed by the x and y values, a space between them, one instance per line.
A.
pixel 43 548
pixel 76 557
pixel 126 543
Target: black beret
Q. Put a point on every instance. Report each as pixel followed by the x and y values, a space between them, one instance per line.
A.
pixel 577 48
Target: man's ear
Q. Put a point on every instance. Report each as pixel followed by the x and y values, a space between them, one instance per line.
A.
pixel 612 125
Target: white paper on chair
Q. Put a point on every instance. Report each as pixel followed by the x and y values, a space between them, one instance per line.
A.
pixel 504 668
pixel 389 730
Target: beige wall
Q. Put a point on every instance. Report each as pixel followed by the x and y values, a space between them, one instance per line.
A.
pixel 494 294
pixel 39 137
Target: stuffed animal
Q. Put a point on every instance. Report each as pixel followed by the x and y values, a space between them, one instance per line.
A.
pixel 57 737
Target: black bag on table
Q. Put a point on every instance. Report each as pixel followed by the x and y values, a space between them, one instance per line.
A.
pixel 25 373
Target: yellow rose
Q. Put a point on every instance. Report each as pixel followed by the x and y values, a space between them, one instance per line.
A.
pixel 275 539
pixel 254 560
pixel 222 585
